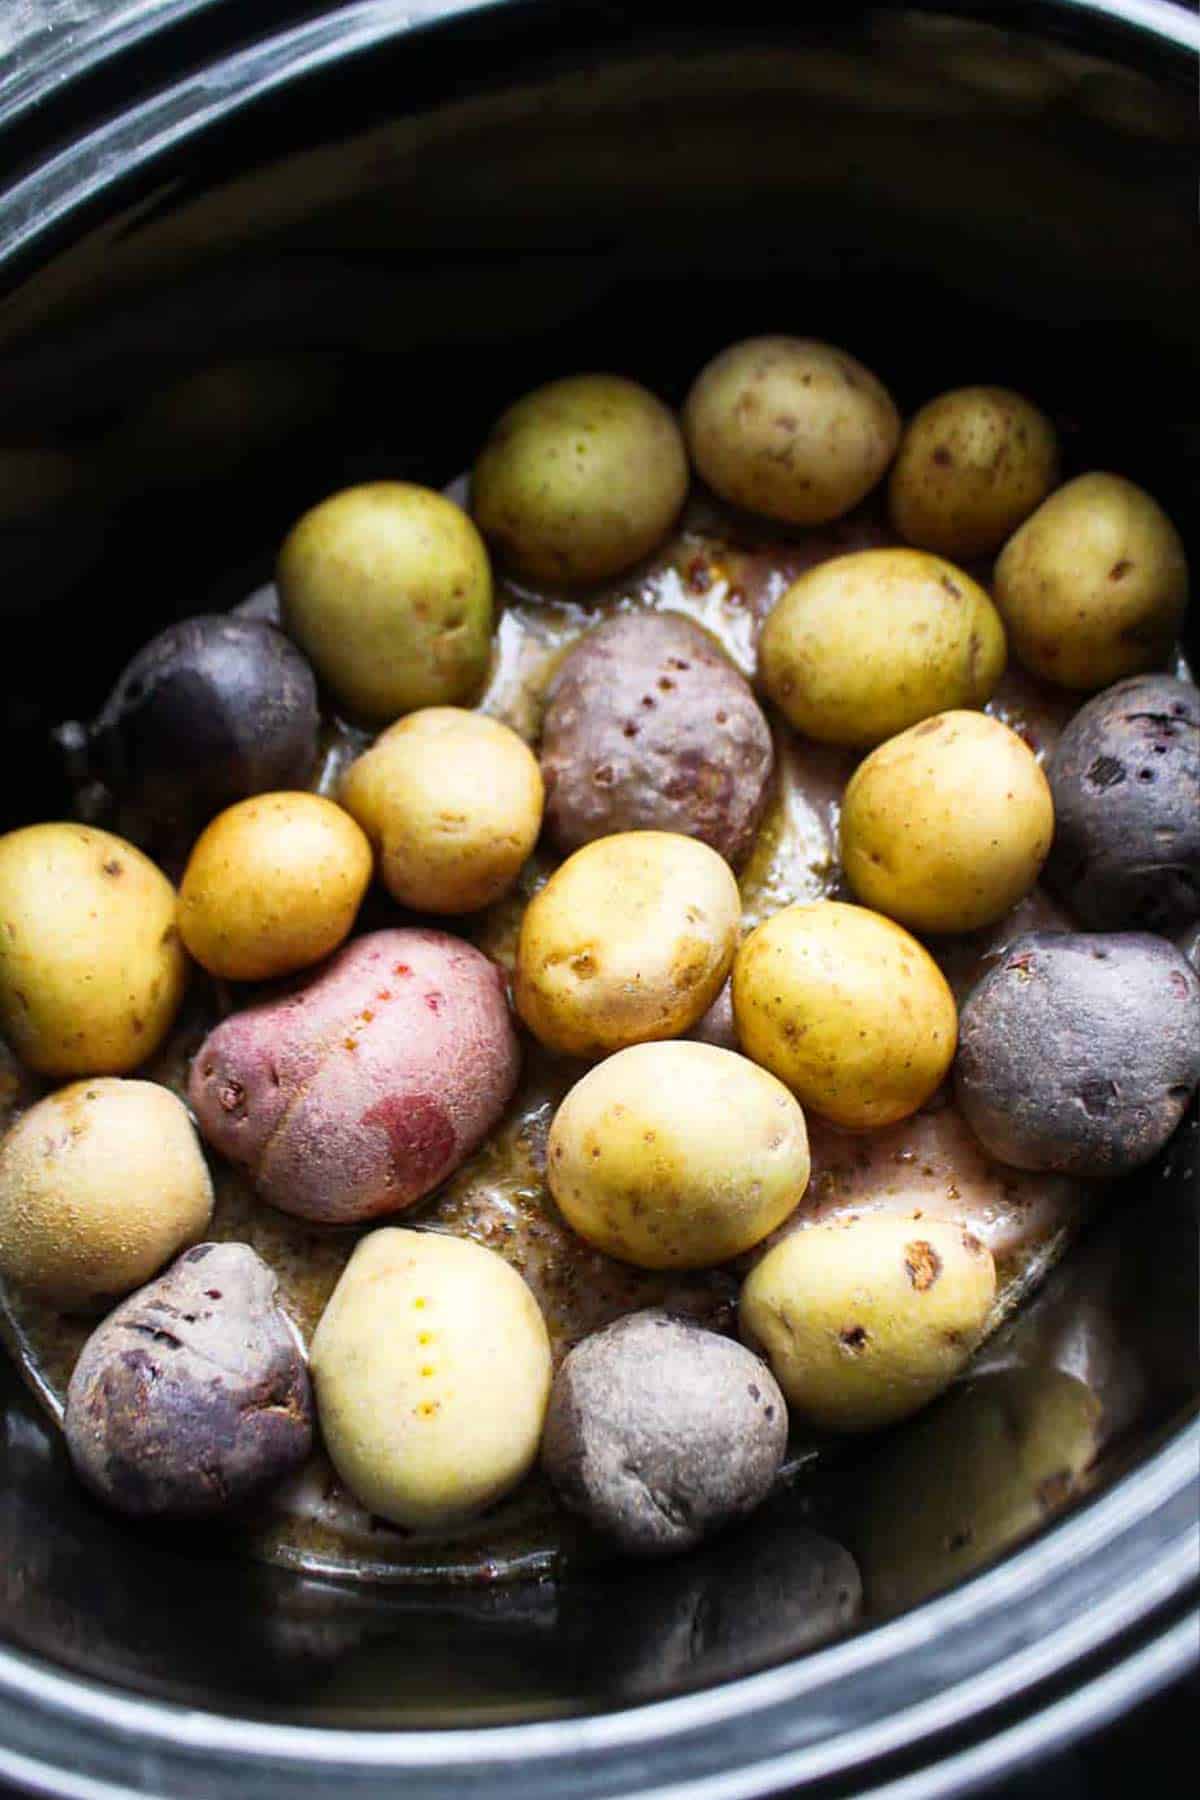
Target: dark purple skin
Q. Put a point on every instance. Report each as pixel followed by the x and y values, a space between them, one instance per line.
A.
pixel 1078 1052
pixel 1125 776
pixel 192 1398
pixel 649 727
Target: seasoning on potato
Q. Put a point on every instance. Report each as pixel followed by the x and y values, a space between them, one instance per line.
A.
pixel 431 1365
pixel 1094 585
pixel 864 645
pixel 947 826
pixel 388 591
pixel 864 1322
pixel 92 971
pixel 630 940
pixel 452 803
pixel 847 1009
pixel 677 1156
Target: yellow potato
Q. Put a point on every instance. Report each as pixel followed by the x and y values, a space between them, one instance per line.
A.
pixel 864 1322
pixel 864 645
pixel 101 1184
pixel 91 967
pixel 847 1009
pixel 790 427
pixel 452 803
pixel 972 464
pixel 273 885
pixel 388 591
pixel 630 940
pixel 1094 586
pixel 947 826
pixel 677 1156
pixel 431 1366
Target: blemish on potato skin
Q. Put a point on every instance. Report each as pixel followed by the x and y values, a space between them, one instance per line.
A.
pixel 854 1339
pixel 922 1265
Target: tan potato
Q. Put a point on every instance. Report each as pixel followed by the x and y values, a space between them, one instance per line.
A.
pixel 580 479
pixel 972 464
pixel 1094 586
pixel 865 1322
pixel 431 1366
pixel 273 885
pixel 630 940
pixel 864 645
pixel 101 1184
pixel 388 591
pixel 791 428
pixel 847 1009
pixel 677 1156
pixel 91 967
pixel 946 827
pixel 452 804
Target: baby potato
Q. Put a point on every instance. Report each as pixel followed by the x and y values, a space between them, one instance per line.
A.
pixel 388 591
pixel 972 465
pixel 273 885
pixel 101 1184
pixel 847 1009
pixel 677 1156
pixel 1094 586
pixel 431 1366
pixel 791 428
pixel 864 1322
pixel 864 645
pixel 947 826
pixel 630 940
pixel 580 479
pixel 452 803
pixel 91 967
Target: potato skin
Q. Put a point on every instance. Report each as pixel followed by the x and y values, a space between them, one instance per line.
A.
pixel 1094 585
pixel 192 1397
pixel 579 479
pixel 847 1010
pixel 866 1321
pixel 972 465
pixel 790 427
pixel 432 1371
pixel 92 971
pixel 363 1088
pixel 660 1432
pixel 388 591
pixel 677 1156
pixel 864 645
pixel 1079 1051
pixel 630 940
pixel 452 803
pixel 273 885
pixel 947 826
pixel 1125 776
pixel 649 727
pixel 101 1183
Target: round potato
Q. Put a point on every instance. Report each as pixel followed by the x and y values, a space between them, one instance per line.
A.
pixel 866 1321
pixel 1093 587
pixel 431 1365
pixel 847 1010
pixel 630 940
pixel 677 1156
pixel 972 465
pixel 388 591
pixel 580 479
pixel 101 1184
pixel 791 428
pixel 864 645
pixel 452 803
pixel 947 826
pixel 273 885
pixel 91 967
